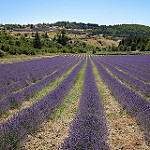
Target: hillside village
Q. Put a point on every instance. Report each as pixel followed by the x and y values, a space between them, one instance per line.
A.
pixel 40 27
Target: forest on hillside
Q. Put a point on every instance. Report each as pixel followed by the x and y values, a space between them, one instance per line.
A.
pixel 122 30
pixel 135 43
pixel 41 44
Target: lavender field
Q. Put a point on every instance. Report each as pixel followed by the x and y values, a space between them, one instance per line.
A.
pixel 76 102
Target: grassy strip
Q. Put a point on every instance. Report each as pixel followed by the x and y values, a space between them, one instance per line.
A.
pixel 19 58
pixel 71 99
pixel 56 129
pixel 39 95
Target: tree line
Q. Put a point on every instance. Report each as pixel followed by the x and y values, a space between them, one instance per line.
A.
pixel 120 30
pixel 40 44
pixel 61 43
pixel 141 43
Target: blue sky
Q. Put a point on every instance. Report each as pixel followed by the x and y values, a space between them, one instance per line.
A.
pixel 107 12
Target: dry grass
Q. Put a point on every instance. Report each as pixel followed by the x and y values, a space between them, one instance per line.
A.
pixel 96 43
pixel 110 42
pixel 92 41
pixel 21 58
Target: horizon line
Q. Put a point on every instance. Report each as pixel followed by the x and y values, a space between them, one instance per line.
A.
pixel 76 22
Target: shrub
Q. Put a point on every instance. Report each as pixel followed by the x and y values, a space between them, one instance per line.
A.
pixel 2 53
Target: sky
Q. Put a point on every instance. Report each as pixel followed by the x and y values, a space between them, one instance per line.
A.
pixel 102 12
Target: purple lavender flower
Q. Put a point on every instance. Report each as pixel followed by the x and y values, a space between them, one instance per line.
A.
pixel 88 130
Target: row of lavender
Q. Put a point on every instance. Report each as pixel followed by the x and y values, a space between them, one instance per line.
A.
pixel 138 62
pixel 16 99
pixel 33 70
pixel 55 64
pixel 138 85
pixel 132 67
pixel 131 101
pixel 27 120
pixel 21 69
pixel 88 130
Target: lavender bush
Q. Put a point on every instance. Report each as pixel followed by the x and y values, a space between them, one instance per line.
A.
pixel 8 89
pixel 14 72
pixel 131 101
pixel 137 66
pixel 88 130
pixel 14 130
pixel 138 85
pixel 15 100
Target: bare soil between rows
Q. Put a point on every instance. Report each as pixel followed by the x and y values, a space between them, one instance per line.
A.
pixel 124 132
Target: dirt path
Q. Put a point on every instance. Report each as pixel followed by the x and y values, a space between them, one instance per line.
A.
pixel 21 58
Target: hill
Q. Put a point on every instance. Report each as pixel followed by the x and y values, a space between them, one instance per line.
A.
pixel 122 30
pixel 72 37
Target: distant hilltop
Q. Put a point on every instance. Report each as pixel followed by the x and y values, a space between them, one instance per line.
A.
pixel 120 30
pixel 41 27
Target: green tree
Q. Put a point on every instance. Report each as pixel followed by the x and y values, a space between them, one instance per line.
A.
pixel 133 46
pixel 147 48
pixel 2 47
pixel 26 34
pixel 129 48
pixel 32 34
pixel 2 53
pixel 121 47
pixel 94 51
pixel 37 41
pixel 31 26
pixel 62 38
pixel 17 43
pixel 46 35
